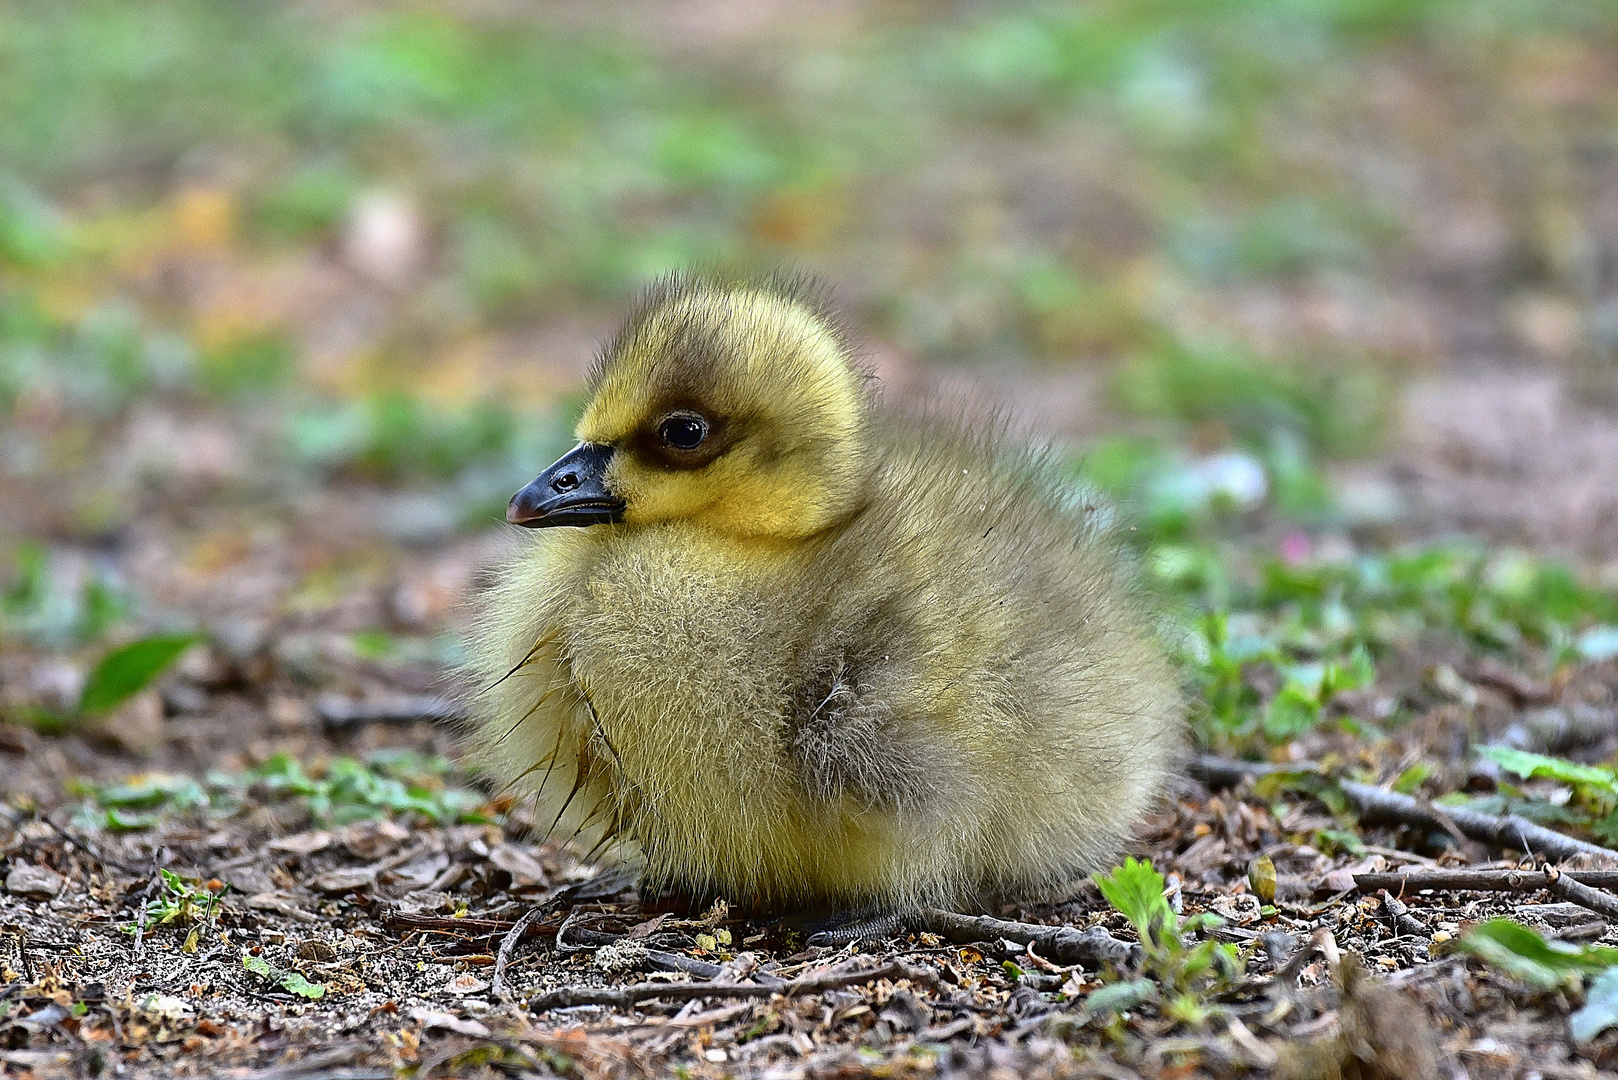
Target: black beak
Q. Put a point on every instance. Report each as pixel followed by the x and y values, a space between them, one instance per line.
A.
pixel 571 492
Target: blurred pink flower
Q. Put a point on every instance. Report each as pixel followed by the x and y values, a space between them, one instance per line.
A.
pixel 1294 547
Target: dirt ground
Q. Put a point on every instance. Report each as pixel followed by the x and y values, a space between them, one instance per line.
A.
pixel 401 923
pixel 190 887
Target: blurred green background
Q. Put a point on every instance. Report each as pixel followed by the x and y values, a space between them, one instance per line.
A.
pixel 289 291
pixel 402 225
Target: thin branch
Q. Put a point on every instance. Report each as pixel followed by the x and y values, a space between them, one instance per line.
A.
pixel 339 713
pixel 91 850
pixel 1403 921
pixel 497 986
pixel 1377 804
pixel 474 933
pixel 628 996
pixel 1570 888
pixel 1061 944
pixel 1468 879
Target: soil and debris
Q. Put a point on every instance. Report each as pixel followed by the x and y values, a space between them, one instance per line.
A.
pixel 1323 295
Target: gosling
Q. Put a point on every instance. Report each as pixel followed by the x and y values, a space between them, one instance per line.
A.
pixel 804 652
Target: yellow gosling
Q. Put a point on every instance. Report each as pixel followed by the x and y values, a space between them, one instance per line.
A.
pixel 803 651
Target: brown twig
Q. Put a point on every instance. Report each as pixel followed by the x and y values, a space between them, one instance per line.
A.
pixel 481 933
pixel 1378 804
pixel 91 850
pixel 468 927
pixel 340 713
pixel 1062 944
pixel 1568 887
pixel 627 996
pixel 1469 879
pixel 497 986
pixel 1403 922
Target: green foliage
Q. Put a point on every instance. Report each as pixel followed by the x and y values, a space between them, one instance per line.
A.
pixel 1594 802
pixel 583 161
pixel 31 233
pixel 177 901
pixel 124 806
pixel 291 981
pixel 1523 954
pixel 1120 996
pixel 1135 889
pixel 1182 974
pixel 389 781
pixel 312 198
pixel 1316 627
pixel 46 604
pixel 249 366
pixel 129 669
pixel 395 437
pixel 95 364
pixel 1333 408
pixel 351 790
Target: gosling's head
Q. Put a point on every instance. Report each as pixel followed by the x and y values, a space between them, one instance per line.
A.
pixel 735 407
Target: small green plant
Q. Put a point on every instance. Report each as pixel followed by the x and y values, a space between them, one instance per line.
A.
pixel 46 607
pixel 351 790
pixel 1268 643
pixel 290 981
pixel 1179 975
pixel 388 781
pixel 1593 801
pixel 186 903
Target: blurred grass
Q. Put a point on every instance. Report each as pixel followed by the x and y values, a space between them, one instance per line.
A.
pixel 560 166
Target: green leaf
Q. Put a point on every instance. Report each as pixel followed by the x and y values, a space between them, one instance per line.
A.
pixel 1136 890
pixel 1523 954
pixel 1333 840
pixel 287 980
pixel 1600 1010
pixel 1307 782
pixel 124 821
pixel 1529 766
pixel 1412 778
pixel 1120 996
pixel 128 670
pixel 301 986
pixel 1606 829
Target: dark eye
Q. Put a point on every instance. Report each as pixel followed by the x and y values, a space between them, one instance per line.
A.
pixel 683 431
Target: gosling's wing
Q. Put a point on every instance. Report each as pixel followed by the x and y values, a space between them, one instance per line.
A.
pixel 848 740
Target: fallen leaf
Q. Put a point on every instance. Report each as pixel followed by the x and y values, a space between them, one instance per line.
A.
pixel 372 838
pixel 301 844
pixel 525 870
pixel 443 1021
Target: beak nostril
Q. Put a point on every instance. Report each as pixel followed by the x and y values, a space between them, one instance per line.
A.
pixel 565 482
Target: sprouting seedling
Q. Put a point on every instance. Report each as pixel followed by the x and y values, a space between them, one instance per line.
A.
pixel 1179 977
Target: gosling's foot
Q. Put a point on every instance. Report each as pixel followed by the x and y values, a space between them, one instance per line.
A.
pixel 863 924
pixel 607 885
